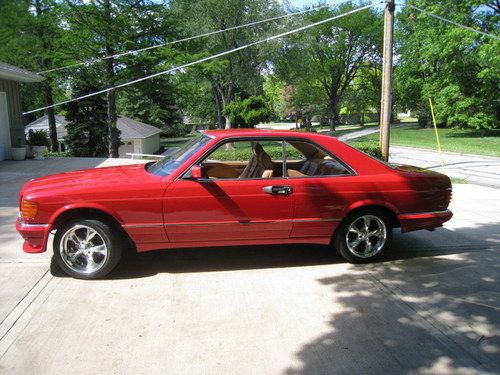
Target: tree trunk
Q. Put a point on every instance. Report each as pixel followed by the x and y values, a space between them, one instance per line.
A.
pixel 54 143
pixel 333 113
pixel 47 85
pixel 113 133
pixel 226 98
pixel 218 107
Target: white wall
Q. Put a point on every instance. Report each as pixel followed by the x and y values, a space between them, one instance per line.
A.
pixel 139 146
pixel 151 144
pixel 126 147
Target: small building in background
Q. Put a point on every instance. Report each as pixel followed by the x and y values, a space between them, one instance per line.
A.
pixel 137 137
pixel 11 120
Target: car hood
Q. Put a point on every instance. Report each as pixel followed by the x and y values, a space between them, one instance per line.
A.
pixel 87 178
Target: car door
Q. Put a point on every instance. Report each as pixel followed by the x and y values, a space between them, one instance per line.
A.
pixel 233 202
pixel 323 186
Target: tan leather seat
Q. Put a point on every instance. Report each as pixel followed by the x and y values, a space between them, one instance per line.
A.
pixel 260 164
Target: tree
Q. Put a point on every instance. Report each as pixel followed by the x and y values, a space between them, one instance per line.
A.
pixel 237 74
pixel 105 27
pixel 248 112
pixel 32 39
pixel 363 95
pixel 330 55
pixel 459 71
pixel 273 87
pixel 87 128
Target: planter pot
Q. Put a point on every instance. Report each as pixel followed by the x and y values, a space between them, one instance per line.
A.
pixel 18 153
pixel 38 151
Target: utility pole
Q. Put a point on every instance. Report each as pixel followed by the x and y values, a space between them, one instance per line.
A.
pixel 386 103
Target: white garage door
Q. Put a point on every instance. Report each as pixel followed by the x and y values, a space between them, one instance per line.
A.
pixel 4 128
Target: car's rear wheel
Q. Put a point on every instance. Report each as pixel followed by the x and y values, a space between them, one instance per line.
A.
pixel 363 236
pixel 86 249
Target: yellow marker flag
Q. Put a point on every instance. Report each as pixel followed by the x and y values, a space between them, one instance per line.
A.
pixel 437 135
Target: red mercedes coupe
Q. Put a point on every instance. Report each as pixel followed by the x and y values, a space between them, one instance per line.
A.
pixel 226 188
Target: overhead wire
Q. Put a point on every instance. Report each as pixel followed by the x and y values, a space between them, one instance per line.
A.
pixel 140 50
pixel 176 68
pixel 450 21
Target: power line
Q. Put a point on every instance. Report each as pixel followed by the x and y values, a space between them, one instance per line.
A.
pixel 171 70
pixel 451 22
pixel 130 52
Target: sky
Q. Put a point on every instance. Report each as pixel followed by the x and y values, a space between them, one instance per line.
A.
pixel 302 3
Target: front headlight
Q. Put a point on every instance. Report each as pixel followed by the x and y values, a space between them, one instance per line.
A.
pixel 28 210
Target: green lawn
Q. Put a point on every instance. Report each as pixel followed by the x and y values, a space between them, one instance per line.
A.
pixel 481 142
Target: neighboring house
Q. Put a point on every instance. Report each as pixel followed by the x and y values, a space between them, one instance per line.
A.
pixel 11 120
pixel 137 137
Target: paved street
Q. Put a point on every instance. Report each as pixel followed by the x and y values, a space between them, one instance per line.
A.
pixel 432 307
pixel 477 169
pixel 482 170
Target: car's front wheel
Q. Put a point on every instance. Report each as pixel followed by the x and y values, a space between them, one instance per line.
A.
pixel 86 249
pixel 363 236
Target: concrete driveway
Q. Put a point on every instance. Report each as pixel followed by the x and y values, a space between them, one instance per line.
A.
pixel 432 307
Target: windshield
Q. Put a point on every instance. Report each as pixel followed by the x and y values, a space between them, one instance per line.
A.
pixel 170 163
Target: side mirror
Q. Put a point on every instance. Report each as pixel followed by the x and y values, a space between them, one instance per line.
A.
pixel 196 172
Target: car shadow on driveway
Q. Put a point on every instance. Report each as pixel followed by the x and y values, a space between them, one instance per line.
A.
pixel 220 259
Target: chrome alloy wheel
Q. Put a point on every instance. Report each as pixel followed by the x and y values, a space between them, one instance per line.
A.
pixel 366 236
pixel 83 249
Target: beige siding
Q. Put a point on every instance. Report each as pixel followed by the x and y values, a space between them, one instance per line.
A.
pixel 11 89
pixel 151 144
pixel 128 146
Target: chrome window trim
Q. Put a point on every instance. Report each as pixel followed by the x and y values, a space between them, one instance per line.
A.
pixel 181 176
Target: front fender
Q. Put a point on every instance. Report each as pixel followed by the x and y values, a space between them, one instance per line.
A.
pixel 84 205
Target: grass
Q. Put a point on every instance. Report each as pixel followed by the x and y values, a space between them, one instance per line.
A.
pixel 480 142
pixel 458 180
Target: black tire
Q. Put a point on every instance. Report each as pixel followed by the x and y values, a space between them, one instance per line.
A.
pixel 353 241
pixel 87 258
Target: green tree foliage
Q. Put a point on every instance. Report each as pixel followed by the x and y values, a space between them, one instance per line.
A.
pixel 248 112
pixel 363 95
pixel 273 88
pixel 31 38
pixel 237 74
pixel 457 68
pixel 87 128
pixel 328 57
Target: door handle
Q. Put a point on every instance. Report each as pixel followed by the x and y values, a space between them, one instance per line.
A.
pixel 278 190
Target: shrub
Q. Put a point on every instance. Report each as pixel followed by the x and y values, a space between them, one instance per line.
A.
pixel 51 154
pixel 371 148
pixel 248 112
pixel 38 138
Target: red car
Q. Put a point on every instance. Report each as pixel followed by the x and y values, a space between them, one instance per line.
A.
pixel 235 187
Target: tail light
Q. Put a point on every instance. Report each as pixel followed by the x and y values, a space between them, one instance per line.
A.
pixel 28 210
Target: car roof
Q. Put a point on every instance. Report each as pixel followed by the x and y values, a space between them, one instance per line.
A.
pixel 264 133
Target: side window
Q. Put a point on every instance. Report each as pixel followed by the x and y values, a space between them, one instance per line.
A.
pixel 245 159
pixel 304 159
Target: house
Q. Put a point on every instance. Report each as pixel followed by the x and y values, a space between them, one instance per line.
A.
pixel 137 137
pixel 11 121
